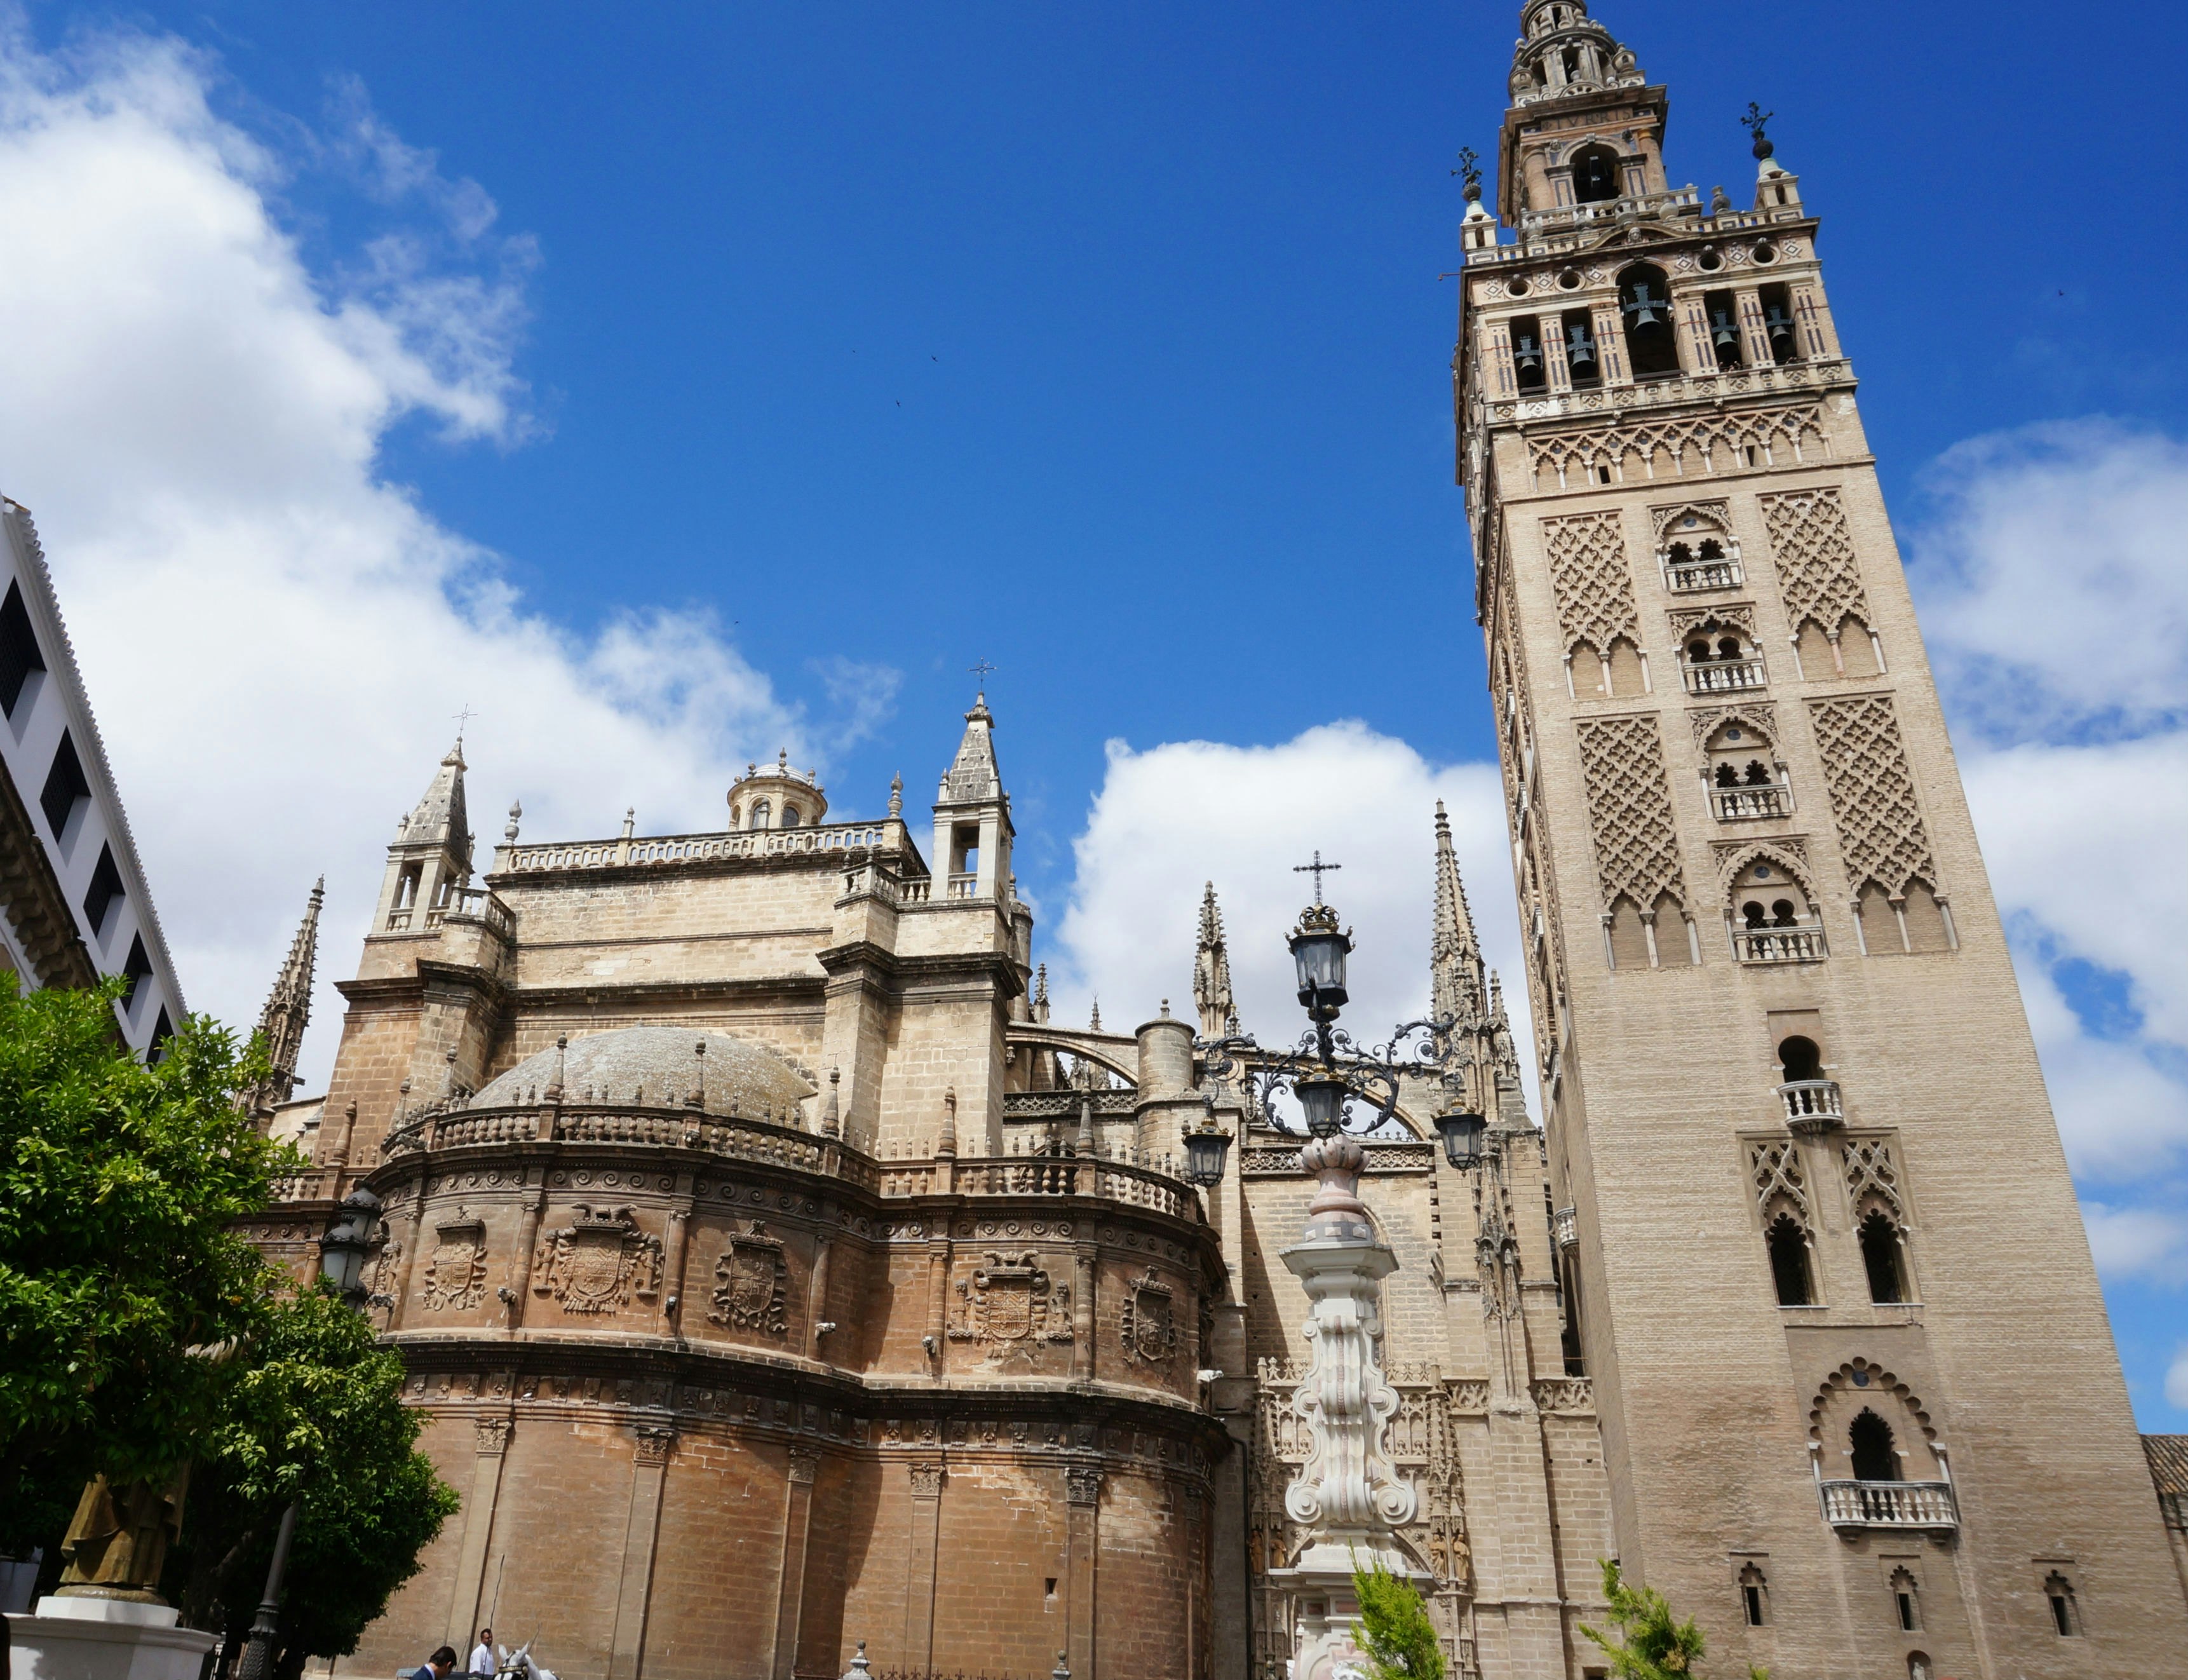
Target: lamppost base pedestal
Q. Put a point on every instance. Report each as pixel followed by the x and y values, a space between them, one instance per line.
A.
pixel 88 1638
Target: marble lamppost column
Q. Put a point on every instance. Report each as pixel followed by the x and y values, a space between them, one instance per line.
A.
pixel 1347 1496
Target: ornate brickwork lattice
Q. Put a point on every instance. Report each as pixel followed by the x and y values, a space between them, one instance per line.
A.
pixel 1870 1173
pixel 1587 569
pixel 1814 552
pixel 1775 1165
pixel 1636 849
pixel 1872 790
pixel 1710 519
pixel 1712 438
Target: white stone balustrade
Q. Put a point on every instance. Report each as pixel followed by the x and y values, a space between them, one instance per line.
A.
pixel 1745 804
pixel 1812 1099
pixel 1890 1504
pixel 1779 944
pixel 1687 576
pixel 1726 676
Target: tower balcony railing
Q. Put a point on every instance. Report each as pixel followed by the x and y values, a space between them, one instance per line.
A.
pixel 679 848
pixel 1808 1101
pixel 1747 804
pixel 1687 577
pixel 1849 1505
pixel 964 884
pixel 1726 676
pixel 1640 206
pixel 1765 945
pixel 1564 1226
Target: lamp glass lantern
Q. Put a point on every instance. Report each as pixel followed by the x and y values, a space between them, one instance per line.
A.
pixel 1206 1148
pixel 1323 1099
pixel 1318 953
pixel 1462 1138
pixel 343 1249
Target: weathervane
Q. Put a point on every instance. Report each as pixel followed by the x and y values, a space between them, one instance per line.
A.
pixel 1753 122
pixel 1469 165
pixel 982 670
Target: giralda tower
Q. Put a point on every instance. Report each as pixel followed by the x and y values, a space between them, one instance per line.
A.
pixel 1859 1399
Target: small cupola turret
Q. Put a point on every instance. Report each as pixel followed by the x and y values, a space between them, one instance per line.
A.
pixel 777 796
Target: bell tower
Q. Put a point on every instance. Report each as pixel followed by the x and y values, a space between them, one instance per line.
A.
pixel 1860 1405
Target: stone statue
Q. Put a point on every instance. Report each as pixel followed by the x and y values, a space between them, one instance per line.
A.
pixel 117 1543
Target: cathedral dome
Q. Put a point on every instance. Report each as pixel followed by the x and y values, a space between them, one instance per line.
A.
pixel 658 1067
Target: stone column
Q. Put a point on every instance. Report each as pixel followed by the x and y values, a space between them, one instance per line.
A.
pixel 1083 1491
pixel 528 1242
pixel 641 1529
pixel 1347 1496
pixel 679 1248
pixel 797 1526
pixel 816 1297
pixel 493 1442
pixel 1082 1303
pixel 919 1577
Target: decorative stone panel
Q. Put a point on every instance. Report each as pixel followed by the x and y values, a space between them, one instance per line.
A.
pixel 1879 822
pixel 1629 808
pixel 1814 551
pixel 1594 587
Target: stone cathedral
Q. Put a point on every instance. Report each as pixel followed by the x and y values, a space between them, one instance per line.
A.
pixel 778 1277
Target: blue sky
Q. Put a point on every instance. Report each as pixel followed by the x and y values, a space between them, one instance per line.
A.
pixel 670 386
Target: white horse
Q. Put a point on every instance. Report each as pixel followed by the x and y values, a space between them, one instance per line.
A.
pixel 517 1665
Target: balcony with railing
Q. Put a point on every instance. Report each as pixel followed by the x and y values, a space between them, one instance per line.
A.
pixel 1851 1505
pixel 1725 676
pixel 1748 804
pixel 1690 576
pixel 964 884
pixel 1779 944
pixel 1812 1101
pixel 669 849
pixel 1564 1226
pixel 463 904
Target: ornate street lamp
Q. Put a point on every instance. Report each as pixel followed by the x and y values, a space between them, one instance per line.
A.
pixel 1341 1086
pixel 343 1249
pixel 1205 1146
pixel 1462 1138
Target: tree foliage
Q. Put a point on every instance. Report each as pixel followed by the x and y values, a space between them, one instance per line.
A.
pixel 315 1414
pixel 1652 1644
pixel 1395 1626
pixel 118 1185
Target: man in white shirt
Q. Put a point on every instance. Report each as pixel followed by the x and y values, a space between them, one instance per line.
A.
pixel 482 1662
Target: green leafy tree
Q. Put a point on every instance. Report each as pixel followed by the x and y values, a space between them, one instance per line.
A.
pixel 1395 1626
pixel 119 1183
pixel 1652 1644
pixel 313 1415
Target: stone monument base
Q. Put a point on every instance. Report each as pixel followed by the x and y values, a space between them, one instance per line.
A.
pixel 87 1638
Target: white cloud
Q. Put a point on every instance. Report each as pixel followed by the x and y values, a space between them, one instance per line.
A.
pixel 2150 1243
pixel 1170 818
pixel 2176 1379
pixel 2056 590
pixel 275 637
pixel 2055 604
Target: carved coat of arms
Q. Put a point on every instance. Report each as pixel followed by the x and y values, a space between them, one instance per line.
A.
pixel 598 1261
pixel 1012 1305
pixel 1150 1321
pixel 751 1283
pixel 455 1276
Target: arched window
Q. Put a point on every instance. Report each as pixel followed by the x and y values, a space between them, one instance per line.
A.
pixel 1789 1261
pixel 2066 1614
pixel 1801 1059
pixel 1727 775
pixel 1711 548
pixel 1906 1602
pixel 1698 651
pixel 1874 1458
pixel 1644 304
pixel 1783 914
pixel 1755 1596
pixel 1723 314
pixel 1527 364
pixel 1918 1666
pixel 735 813
pixel 1580 358
pixel 1595 168
pixel 1727 647
pixel 790 816
pixel 762 810
pixel 1886 1261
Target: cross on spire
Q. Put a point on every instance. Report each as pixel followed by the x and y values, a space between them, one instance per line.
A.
pixel 982 670
pixel 1316 869
pixel 462 718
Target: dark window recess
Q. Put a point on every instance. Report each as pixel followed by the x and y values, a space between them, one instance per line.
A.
pixel 162 1030
pixel 1778 325
pixel 1527 354
pixel 1644 301
pixel 1723 315
pixel 64 785
pixel 1579 348
pixel 1874 1458
pixel 1789 1261
pixel 1595 176
pixel 18 648
pixel 105 888
pixel 1880 1254
pixel 134 971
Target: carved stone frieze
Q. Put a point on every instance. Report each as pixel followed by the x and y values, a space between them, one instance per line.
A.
pixel 598 1261
pixel 751 1283
pixel 1011 1306
pixel 656 1442
pixel 455 1276
pixel 1149 1321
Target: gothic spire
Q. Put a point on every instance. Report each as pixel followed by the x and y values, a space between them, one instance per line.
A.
pixel 1455 982
pixel 440 816
pixel 973 775
pixel 1211 971
pixel 288 1010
